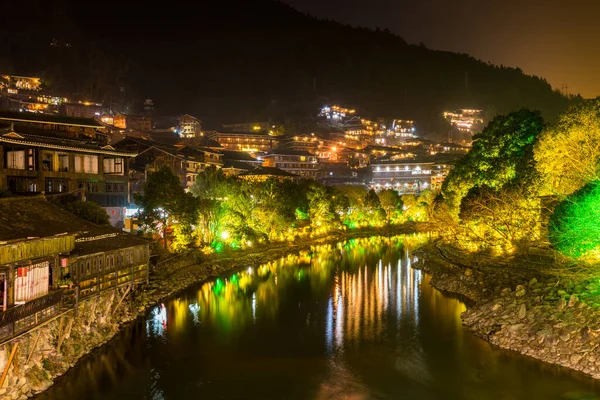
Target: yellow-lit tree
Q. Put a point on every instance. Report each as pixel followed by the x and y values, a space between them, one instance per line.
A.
pixel 568 152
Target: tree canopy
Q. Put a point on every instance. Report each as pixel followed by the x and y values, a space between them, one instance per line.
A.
pixel 574 226
pixel 568 152
pixel 163 201
pixel 502 154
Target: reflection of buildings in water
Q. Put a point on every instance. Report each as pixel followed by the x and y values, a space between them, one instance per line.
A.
pixel 363 299
pixel 158 323
pixel 366 305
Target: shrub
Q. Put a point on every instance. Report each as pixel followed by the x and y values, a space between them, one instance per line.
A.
pixel 574 227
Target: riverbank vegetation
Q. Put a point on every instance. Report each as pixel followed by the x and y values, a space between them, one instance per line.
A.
pixel 528 192
pixel 221 212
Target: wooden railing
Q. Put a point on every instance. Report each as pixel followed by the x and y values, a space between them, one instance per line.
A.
pixel 21 318
pixel 110 279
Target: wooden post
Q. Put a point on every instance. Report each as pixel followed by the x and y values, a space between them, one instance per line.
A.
pixel 60 325
pixel 109 305
pixel 37 339
pixel 16 361
pixel 93 311
pixel 62 337
pixel 10 358
pixel 76 298
pixel 121 299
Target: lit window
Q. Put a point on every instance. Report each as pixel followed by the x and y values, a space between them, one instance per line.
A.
pixel 15 159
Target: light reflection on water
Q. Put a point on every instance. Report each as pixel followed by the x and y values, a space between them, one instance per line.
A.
pixel 350 321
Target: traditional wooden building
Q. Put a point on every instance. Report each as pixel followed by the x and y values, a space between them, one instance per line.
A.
pixel 65 126
pixel 189 126
pixel 245 141
pixel 186 161
pixel 297 162
pixel 50 260
pixel 44 161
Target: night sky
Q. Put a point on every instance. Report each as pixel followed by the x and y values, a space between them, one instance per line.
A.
pixel 555 39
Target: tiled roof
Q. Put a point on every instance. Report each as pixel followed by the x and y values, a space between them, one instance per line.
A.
pixel 23 218
pixel 53 119
pixel 270 171
pixel 52 140
pixel 26 217
pixel 285 152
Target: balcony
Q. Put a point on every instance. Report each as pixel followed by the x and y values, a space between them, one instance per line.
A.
pixel 22 318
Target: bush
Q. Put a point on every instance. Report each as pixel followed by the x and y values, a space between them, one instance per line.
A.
pixel 89 211
pixel 574 227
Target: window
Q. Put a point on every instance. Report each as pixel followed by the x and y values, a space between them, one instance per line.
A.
pixel 17 184
pixel 47 161
pixel 88 186
pixel 31 159
pixel 113 166
pixel 86 163
pixel 15 159
pixel 31 281
pixel 56 185
pixel 63 162
pixel 115 187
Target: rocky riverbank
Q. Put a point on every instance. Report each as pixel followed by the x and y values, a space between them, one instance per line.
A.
pixel 46 353
pixel 527 311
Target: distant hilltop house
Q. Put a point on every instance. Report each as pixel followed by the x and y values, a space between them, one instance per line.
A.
pixel 464 119
pixel 258 126
pixel 335 115
pixel 189 127
pixel 11 84
pixel 132 122
pixel 24 94
pixel 82 109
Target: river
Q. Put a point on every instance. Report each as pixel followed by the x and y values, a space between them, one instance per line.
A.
pixel 346 321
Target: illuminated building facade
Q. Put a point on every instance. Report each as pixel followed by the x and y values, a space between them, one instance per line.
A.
pixel 81 109
pixel 300 163
pixel 11 84
pixel 244 127
pixel 189 126
pixel 403 176
pixel 250 142
pixel 55 164
pixel 464 120
pixel 336 113
pixel 67 126
pixel 409 176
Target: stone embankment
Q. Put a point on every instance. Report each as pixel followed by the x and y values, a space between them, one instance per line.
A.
pixel 536 314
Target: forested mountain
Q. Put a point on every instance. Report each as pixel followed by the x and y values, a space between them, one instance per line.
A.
pixel 236 60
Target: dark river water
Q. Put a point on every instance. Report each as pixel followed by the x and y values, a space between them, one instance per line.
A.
pixel 347 321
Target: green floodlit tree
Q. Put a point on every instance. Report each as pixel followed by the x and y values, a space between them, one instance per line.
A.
pixel 574 227
pixel 502 154
pixel 568 152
